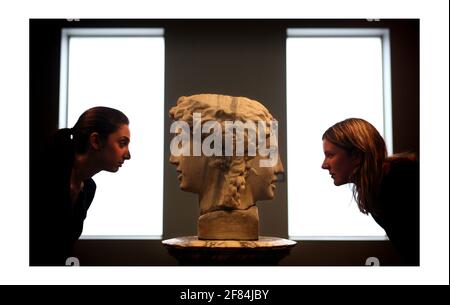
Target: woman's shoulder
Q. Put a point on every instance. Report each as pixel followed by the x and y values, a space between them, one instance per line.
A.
pixel 400 182
pixel 402 164
pixel 401 176
pixel 89 185
pixel 58 150
pixel 89 190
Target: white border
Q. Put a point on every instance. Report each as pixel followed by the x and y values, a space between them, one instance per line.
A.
pixel 434 35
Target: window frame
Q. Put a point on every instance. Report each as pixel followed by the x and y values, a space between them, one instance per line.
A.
pixel 66 34
pixel 384 34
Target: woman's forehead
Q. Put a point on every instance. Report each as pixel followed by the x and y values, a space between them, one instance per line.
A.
pixel 122 131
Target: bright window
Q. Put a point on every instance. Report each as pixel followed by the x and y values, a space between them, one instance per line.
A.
pixel 331 75
pixel 122 69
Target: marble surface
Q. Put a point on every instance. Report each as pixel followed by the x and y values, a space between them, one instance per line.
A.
pixel 262 242
pixel 189 250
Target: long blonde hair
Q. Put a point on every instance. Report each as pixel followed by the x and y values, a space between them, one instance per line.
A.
pixel 357 136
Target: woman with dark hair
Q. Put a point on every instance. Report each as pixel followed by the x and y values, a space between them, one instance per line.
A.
pixel 65 188
pixel 386 187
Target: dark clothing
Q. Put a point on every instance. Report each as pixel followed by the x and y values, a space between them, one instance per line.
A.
pixel 56 224
pixel 398 208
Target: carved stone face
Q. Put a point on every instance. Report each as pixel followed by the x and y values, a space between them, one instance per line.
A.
pixel 261 180
pixel 190 172
pixel 227 191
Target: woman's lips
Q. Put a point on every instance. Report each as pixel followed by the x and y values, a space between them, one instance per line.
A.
pixel 272 183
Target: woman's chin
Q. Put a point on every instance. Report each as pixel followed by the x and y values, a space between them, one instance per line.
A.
pixel 339 182
pixel 112 169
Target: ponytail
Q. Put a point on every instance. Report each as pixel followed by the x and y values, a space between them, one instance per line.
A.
pixel 68 141
pixel 63 145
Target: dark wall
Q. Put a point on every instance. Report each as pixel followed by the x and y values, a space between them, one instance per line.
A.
pixel 45 41
pixel 305 253
pixel 238 58
pixel 405 86
pixel 235 57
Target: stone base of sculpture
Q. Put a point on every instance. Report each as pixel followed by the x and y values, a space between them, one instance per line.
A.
pixel 189 250
pixel 232 224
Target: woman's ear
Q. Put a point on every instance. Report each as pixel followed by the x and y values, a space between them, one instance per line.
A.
pixel 356 158
pixel 95 141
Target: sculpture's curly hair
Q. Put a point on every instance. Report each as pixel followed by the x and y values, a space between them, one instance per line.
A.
pixel 221 108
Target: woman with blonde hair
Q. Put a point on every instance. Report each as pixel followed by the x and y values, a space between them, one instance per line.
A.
pixel 385 187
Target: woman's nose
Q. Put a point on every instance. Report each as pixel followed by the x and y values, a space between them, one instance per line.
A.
pixel 325 165
pixel 128 155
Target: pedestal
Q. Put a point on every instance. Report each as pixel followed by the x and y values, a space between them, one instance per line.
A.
pixel 189 250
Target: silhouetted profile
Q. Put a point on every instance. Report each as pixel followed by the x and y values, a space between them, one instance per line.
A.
pixel 385 187
pixel 61 184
